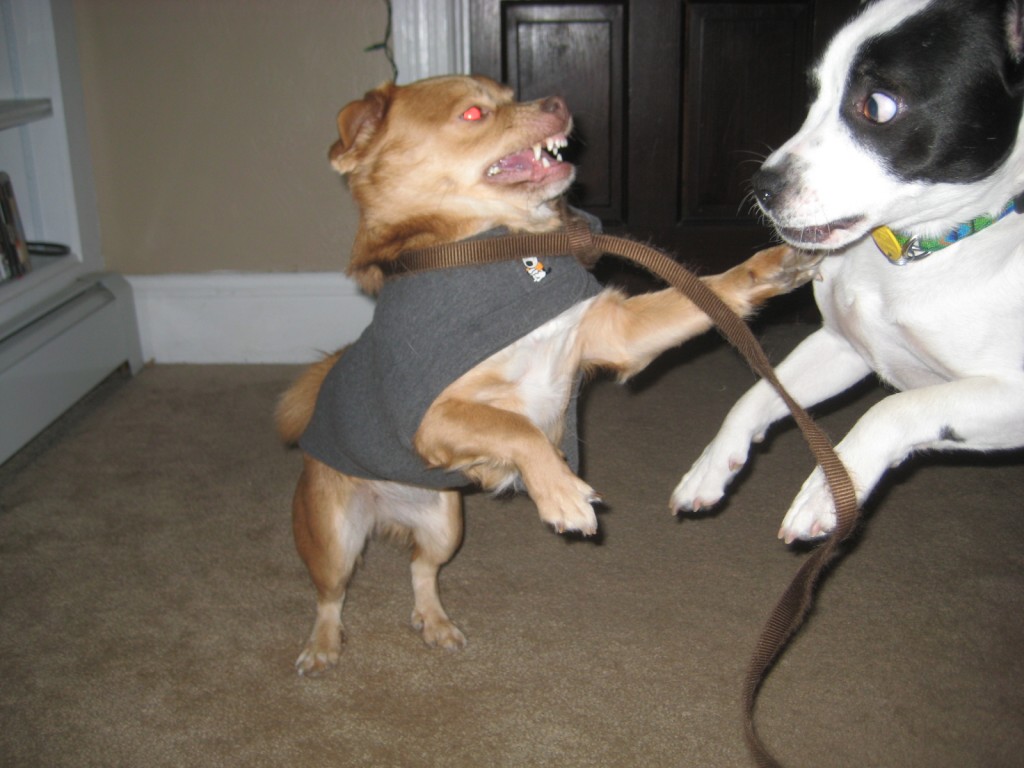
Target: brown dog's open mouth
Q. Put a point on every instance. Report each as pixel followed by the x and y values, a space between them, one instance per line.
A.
pixel 533 164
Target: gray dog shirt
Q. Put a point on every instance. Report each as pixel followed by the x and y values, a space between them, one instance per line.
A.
pixel 427 330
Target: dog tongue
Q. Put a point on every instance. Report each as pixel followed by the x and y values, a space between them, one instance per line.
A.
pixel 519 161
pixel 522 165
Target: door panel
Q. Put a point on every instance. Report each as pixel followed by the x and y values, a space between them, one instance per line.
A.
pixel 744 92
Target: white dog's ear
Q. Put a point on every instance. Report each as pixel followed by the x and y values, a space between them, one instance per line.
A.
pixel 358 122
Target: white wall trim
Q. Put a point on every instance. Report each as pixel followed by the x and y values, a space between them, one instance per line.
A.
pixel 230 317
pixel 431 37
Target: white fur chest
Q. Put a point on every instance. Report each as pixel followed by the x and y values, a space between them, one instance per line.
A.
pixel 538 372
pixel 957 313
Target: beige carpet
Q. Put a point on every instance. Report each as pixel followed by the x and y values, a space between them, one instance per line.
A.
pixel 151 604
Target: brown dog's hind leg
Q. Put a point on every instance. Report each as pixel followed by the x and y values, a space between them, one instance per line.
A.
pixel 331 529
pixel 435 538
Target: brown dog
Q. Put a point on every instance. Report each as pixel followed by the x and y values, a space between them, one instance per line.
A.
pixel 433 162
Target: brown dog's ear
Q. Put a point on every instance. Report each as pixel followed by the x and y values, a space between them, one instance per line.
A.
pixel 357 123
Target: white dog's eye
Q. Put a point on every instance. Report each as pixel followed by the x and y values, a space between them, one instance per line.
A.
pixel 880 107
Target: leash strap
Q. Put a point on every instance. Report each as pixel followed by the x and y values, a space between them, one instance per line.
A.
pixel 577 239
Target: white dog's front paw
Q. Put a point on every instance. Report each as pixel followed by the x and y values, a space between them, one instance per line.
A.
pixel 704 485
pixel 813 513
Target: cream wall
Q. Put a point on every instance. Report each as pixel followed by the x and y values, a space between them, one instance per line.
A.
pixel 209 123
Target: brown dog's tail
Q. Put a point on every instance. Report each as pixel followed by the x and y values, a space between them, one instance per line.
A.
pixel 295 408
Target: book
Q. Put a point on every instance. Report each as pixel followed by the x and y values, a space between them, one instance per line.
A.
pixel 6 273
pixel 12 234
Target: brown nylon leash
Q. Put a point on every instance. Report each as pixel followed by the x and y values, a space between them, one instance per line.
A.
pixel 578 240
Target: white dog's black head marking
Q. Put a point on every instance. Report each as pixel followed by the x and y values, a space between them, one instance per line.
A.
pixel 938 97
pixel 916 122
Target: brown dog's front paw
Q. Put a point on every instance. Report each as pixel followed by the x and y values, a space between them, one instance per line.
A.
pixel 782 268
pixel 569 507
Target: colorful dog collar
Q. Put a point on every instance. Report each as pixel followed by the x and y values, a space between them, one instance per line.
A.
pixel 900 248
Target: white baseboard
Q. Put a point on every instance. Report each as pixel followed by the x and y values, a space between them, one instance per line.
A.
pixel 229 317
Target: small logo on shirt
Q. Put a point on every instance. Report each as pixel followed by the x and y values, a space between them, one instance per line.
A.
pixel 536 269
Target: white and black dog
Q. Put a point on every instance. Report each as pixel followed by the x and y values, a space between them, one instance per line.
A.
pixel 910 169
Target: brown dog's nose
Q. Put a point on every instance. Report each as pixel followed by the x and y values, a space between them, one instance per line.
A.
pixel 555 105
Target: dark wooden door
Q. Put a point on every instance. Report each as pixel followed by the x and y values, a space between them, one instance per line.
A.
pixel 675 103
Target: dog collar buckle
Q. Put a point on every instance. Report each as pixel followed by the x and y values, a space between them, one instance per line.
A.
pixel 897 250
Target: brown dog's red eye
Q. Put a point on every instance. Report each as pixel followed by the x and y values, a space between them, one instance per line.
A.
pixel 473 113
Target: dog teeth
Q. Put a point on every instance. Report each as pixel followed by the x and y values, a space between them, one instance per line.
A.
pixel 552 144
pixel 494 170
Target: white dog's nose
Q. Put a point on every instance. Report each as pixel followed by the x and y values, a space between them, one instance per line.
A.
pixel 768 185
